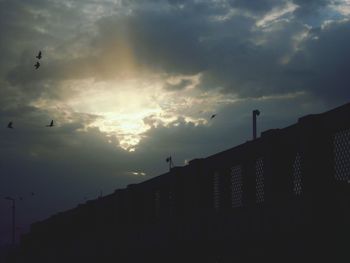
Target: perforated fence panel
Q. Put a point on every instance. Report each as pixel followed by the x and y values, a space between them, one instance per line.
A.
pixel 236 186
pixel 341 149
pixel 216 190
pixel 259 179
pixel 297 175
pixel 157 202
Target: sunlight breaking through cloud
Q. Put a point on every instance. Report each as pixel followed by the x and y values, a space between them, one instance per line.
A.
pixel 127 109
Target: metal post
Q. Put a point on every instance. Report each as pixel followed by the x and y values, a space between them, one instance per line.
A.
pixel 255 113
pixel 169 160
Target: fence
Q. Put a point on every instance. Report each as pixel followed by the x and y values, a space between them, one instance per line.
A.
pixel 284 197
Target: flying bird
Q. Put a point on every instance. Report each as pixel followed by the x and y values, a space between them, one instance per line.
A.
pixel 51 124
pixel 39 55
pixel 212 116
pixel 37 65
pixel 10 125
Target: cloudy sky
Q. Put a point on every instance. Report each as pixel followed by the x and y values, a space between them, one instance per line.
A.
pixel 131 82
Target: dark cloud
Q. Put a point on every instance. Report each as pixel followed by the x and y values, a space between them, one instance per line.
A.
pixel 232 53
pixel 189 42
pixel 323 62
pixel 178 40
pixel 261 7
pixel 310 7
pixel 160 40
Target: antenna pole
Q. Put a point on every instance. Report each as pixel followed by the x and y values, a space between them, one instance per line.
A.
pixel 255 113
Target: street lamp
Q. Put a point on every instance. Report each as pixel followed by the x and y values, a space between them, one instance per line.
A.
pixel 255 113
pixel 13 217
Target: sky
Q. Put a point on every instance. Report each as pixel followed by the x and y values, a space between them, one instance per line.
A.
pixel 129 83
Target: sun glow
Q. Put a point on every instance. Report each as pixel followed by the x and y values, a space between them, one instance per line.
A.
pixel 122 107
pixel 127 109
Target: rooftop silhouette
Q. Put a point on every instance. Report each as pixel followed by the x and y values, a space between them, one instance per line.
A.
pixel 283 195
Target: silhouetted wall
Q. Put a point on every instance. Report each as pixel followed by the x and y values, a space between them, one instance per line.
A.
pixel 283 197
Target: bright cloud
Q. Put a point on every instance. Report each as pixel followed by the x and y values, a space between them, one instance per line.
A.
pixel 276 14
pixel 127 109
pixel 342 7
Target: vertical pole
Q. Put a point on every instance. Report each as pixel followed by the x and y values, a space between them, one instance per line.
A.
pixel 254 126
pixel 255 113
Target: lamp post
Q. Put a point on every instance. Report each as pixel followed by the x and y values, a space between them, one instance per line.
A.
pixel 255 113
pixel 13 217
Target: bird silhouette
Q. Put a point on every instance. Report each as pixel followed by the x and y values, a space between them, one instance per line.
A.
pixel 39 55
pixel 51 124
pixel 37 65
pixel 212 116
pixel 10 125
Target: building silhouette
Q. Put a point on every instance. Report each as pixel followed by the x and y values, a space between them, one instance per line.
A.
pixel 283 197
